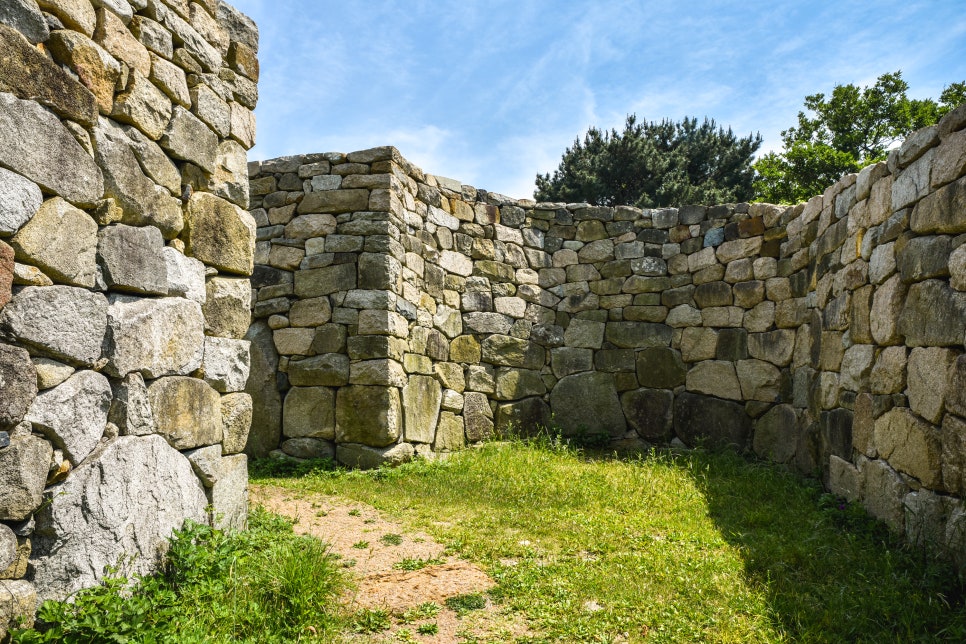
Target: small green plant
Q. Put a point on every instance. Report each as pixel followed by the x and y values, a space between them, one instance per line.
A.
pixel 391 539
pixel 426 610
pixel 354 512
pixel 429 628
pixel 360 545
pixel 463 604
pixel 371 621
pixel 415 563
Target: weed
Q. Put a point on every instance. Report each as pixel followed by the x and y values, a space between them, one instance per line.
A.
pixel 391 539
pixel 429 628
pixel 360 545
pixel 371 621
pixel 426 610
pixel 463 604
pixel 354 512
pixel 411 563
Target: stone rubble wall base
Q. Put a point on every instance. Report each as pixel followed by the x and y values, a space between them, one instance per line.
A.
pixel 399 314
pixel 126 250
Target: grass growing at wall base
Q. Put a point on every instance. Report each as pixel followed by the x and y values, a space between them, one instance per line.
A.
pixel 670 548
pixel 265 584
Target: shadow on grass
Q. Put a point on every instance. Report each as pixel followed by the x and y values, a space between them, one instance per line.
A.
pixel 830 572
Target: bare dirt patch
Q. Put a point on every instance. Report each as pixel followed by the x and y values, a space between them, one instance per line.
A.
pixel 395 569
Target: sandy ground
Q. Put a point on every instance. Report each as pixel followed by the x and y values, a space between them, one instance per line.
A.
pixel 373 547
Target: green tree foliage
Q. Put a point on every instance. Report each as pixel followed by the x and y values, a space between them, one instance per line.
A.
pixel 654 164
pixel 844 132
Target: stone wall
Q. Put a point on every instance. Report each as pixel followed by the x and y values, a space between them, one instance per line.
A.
pixel 409 314
pixel 125 251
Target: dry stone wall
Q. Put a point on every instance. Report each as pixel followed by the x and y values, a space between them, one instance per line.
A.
pixel 409 315
pixel 125 254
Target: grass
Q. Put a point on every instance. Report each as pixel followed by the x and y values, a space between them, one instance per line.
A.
pixel 265 584
pixel 670 548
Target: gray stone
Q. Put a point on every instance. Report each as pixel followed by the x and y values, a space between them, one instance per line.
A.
pixel 844 479
pixel 309 448
pixel 8 548
pixel 588 402
pixel 187 411
pixel 759 380
pixel 23 475
pixel 660 368
pixel 73 415
pixel 228 495
pixel 371 415
pixel 140 336
pixel 132 259
pixel 638 335
pixel 941 211
pixel 236 419
pixel 309 412
pixel 887 305
pixel 421 398
pixel 19 604
pixel 569 360
pixel 186 137
pixel 715 378
pixel 131 410
pixel 226 308
pixel 933 315
pixel 324 281
pixel 142 201
pixel 262 386
pixel 19 200
pixel 776 434
pixel 956 387
pixel 74 542
pixel 60 240
pixel 144 106
pixel 884 491
pixel 924 257
pixel 186 275
pixel 513 384
pixel 648 412
pixel 205 462
pixel 449 433
pixel 18 382
pixel 703 420
pixel 586 334
pixel 954 454
pixel 698 344
pixel 775 347
pixel 928 370
pixel 225 363
pixel 527 417
pixel 75 321
pixel 366 458
pixel 512 352
pixel 35 144
pixel 478 416
pixel 327 370
pixel 910 445
pixel 25 17
pixel 856 366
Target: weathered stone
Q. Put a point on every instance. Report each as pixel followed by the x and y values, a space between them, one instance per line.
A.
pixel 910 445
pixel 310 226
pixel 715 378
pixel 226 308
pixel 140 336
pixel 327 370
pixel 844 479
pixel 588 402
pixel 171 80
pixel 889 373
pixel 294 342
pixel 74 542
pixel 776 434
pixel 187 411
pixel 25 17
pixel 710 421
pixel 23 474
pixel 309 448
pixel 142 201
pixel 956 387
pixel 236 419
pixel 19 200
pixel 35 144
pixel 954 454
pixel 19 604
pixel 887 305
pixel 8 548
pixel 335 201
pixel 478 416
pixel 941 211
pixel 51 373
pixel 512 352
pixel 513 384
pixel 186 275
pixel 421 398
pixel 132 259
pixel 324 281
pixel 220 234
pixel 18 381
pixel 698 344
pixel 569 360
pixel 928 369
pixel 31 75
pixel 933 315
pixel 924 257
pixel 96 69
pixel 205 462
pixel 75 321
pixel 144 106
pixel 586 334
pixel 60 240
pixel 131 409
pixel 367 458
pixel 225 364
pixel 759 380
pixel 370 415
pixel 527 417
pixel 228 496
pixel 775 347
pixel 648 412
pixel 449 433
pixel 73 415
pixel 884 491
pixel 638 335
pixel 262 386
pixel 660 368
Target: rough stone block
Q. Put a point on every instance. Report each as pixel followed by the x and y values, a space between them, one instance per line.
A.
pixel 220 234
pixel 910 445
pixel 526 417
pixel 370 415
pixel 73 415
pixel 421 398
pixel 776 434
pixel 19 200
pixel 140 336
pixel 710 421
pixel 715 378
pixel 18 377
pixel 366 458
pixel 23 475
pixel 75 322
pixel 588 402
pixel 226 308
pixel 648 412
pixel 933 314
pixel 132 259
pixel 61 240
pixel 187 411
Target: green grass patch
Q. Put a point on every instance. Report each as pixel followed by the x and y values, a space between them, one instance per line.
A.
pixel 264 584
pixel 668 548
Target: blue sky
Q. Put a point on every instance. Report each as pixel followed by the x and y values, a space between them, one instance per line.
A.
pixel 492 92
